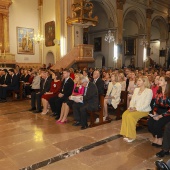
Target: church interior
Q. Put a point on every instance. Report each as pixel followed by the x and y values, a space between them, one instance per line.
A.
pixel 113 36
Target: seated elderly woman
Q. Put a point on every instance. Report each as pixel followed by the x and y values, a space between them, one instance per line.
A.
pixel 113 94
pixel 160 114
pixel 54 91
pixel 139 107
pixel 78 90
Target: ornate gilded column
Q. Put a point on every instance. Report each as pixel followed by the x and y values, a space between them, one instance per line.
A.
pixel 4 25
pixel 119 37
pixel 6 32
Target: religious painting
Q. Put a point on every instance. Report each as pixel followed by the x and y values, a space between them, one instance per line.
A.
pixel 130 46
pixel 97 44
pixel 49 33
pixel 25 43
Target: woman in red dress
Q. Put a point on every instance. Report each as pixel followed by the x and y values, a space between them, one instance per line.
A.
pixel 54 90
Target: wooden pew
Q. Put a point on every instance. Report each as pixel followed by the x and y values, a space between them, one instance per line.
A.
pixel 19 91
pixel 143 121
pixel 122 106
pixel 99 113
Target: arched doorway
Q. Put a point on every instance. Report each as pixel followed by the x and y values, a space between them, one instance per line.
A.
pixel 49 58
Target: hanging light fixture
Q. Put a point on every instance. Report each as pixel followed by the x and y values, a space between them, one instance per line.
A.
pixel 38 38
pixel 109 37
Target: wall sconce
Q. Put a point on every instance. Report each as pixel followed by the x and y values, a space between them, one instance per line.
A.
pixel 56 42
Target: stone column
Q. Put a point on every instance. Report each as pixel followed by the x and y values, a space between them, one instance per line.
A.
pixel 149 13
pixel 58 28
pixel 6 32
pixel 119 37
pixel 40 29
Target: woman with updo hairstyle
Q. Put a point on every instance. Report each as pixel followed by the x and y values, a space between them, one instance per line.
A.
pixel 139 107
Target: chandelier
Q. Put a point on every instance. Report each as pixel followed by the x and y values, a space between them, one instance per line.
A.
pixel 38 38
pixel 109 37
pixel 144 41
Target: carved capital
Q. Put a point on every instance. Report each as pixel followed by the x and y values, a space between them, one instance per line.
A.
pixel 120 4
pixel 40 2
pixel 5 16
pixel 149 13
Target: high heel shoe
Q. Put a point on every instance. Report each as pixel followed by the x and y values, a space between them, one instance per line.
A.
pixel 65 121
pixel 58 121
pixel 44 113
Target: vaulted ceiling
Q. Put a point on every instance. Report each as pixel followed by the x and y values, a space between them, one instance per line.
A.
pixel 163 2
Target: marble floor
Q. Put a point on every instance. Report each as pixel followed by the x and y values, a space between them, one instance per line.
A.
pixel 32 141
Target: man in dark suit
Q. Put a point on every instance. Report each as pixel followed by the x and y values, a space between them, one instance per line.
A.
pixel 1 75
pixel 65 92
pixel 90 102
pixel 45 85
pixel 13 85
pixel 98 81
pixel 6 78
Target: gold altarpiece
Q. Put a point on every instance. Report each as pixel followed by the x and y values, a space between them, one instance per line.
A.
pixel 5 56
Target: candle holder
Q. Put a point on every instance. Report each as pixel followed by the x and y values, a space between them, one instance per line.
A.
pixel 4 61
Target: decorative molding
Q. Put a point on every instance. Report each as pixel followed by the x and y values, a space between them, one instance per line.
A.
pixel 120 4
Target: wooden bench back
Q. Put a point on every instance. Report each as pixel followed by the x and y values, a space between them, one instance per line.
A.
pixel 123 97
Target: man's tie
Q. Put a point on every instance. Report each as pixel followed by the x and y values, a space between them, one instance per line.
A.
pixel 44 83
pixel 85 91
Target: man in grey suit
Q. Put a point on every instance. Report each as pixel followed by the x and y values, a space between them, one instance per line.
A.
pixel 90 102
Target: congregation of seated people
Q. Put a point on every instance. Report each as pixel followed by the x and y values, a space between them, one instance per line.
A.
pixel 65 90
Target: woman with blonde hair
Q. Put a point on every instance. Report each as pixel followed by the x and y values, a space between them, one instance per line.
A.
pixel 113 94
pixel 131 86
pixel 139 107
pixel 122 81
pixel 72 73
pixel 77 91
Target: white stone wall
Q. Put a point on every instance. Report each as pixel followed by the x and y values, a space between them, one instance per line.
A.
pixel 23 13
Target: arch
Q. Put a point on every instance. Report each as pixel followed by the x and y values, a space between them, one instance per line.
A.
pixel 109 8
pixel 140 17
pixel 160 24
pixel 110 11
pixel 50 58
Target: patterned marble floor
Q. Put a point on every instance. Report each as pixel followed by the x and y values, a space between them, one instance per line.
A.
pixel 31 141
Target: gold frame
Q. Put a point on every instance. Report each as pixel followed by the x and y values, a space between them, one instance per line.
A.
pixel 130 46
pixel 25 43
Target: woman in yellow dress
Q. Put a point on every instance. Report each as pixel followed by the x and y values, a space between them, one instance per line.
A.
pixel 139 107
